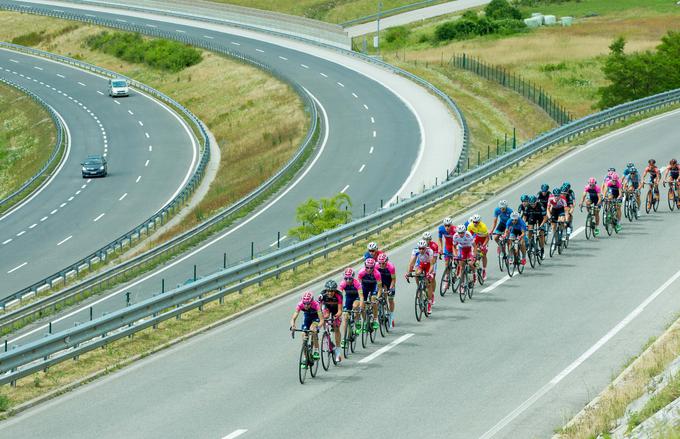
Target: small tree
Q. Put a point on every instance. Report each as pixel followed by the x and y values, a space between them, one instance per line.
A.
pixel 501 9
pixel 317 216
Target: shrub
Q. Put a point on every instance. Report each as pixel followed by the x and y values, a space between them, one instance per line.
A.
pixel 397 35
pixel 501 9
pixel 29 39
pixel 553 67
pixel 509 27
pixel 4 403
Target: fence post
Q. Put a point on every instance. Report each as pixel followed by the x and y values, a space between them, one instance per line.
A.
pixel 162 286
pixel 514 138
pixel 252 250
pixel 479 157
pixel 488 152
pixel 224 260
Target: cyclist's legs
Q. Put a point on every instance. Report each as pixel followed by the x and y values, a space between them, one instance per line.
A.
pixel 314 327
pixel 390 301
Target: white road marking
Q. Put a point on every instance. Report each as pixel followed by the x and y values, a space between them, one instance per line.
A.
pixel 138 178
pixel 90 15
pixel 150 148
pixel 32 225
pixel 235 43
pixel 14 61
pixel 304 66
pixel 496 284
pixel 274 243
pixel 208 37
pixel 140 123
pixel 180 31
pixel 21 233
pixel 82 84
pixel 344 189
pixel 283 58
pixel 384 349
pixel 100 93
pixel 324 75
pixel 234 434
pixel 6 241
pixel 146 164
pixel 64 240
pixel 70 199
pixel 37 68
pixel 370 151
pixel 365 107
pixel 123 196
pixel 54 211
pixel 131 113
pixel 375 133
pixel 151 25
pixel 580 360
pixel 355 95
pixel 340 84
pixel 78 192
pixel 99 217
pixel 260 50
pixel 577 232
pixel 117 103
pixel 62 205
pixel 17 267
pixel 362 167
pixel 43 219
pixel 121 20
pixel 372 120
pixel 83 186
pixel 147 135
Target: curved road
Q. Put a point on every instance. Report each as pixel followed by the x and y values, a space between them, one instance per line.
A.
pixel 151 153
pixel 515 361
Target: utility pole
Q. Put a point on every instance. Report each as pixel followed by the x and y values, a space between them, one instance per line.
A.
pixel 379 12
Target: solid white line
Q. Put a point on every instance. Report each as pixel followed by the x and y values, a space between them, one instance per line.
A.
pixel 235 43
pixel 208 37
pixel 100 93
pixel 21 233
pixel 90 15
pixel 235 434
pixel 260 50
pixel 355 95
pixel 324 75
pixel 131 113
pixel 64 240
pixel 121 20
pixel 16 268
pixel 372 120
pixel 6 241
pixel 37 68
pixel 283 58
pixel 99 217
pixel 362 167
pixel 82 84
pixel 496 284
pixel 146 164
pixel 147 135
pixel 218 238
pixel 341 84
pixel 122 196
pixel 370 151
pixel 576 232
pixel 180 31
pixel 274 243
pixel 140 123
pixel 384 349
pixel 138 178
pixel 32 225
pixel 344 189
pixel 580 360
pixel 304 66
pixel 151 25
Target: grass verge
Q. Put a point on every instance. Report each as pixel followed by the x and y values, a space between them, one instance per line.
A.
pixel 27 138
pixel 64 376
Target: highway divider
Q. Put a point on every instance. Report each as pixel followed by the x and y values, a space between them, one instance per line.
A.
pixel 20 361
pixel 48 168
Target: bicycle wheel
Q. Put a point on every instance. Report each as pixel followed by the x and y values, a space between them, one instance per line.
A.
pixel 501 254
pixel 511 265
pixel 589 223
pixel 505 259
pixel 553 244
pixel 608 220
pixel 539 258
pixel 480 278
pixel 518 262
pixel 383 321
pixel 531 254
pixel 656 201
pixel 462 285
pixel 671 199
pixel 626 208
pixel 636 209
pixel 648 201
pixel 470 287
pixel 326 351
pixel 425 300
pixel 372 332
pixel 445 282
pixel 302 371
pixel 314 368
pixel 364 328
pixel 347 341
pixel 560 240
pixel 353 336
pixel 418 304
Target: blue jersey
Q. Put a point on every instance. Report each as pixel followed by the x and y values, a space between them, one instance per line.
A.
pixel 444 234
pixel 503 217
pixel 516 228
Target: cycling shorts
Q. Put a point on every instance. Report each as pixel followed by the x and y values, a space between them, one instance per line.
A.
pixel 556 213
pixel 500 228
pixel 479 240
pixel 465 253
pixel 308 320
pixel 674 174
pixel 370 293
pixel 614 191
pixel 348 303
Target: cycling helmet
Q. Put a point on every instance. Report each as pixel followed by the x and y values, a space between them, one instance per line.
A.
pixel 611 170
pixel 503 204
pixel 532 199
pixel 615 176
pixel 630 165
pixel 370 263
pixel 674 162
pixel 545 188
pixel 448 221
pixel 461 228
pixel 564 188
pixel 422 244
pixel 372 246
pixel 557 191
pixel 382 258
pixel 331 285
pixel 427 236
pixel 307 297
pixel 592 181
pixel 349 272
pixel 476 218
pixel 524 198
pixel 514 216
pixel 567 185
pixel 651 162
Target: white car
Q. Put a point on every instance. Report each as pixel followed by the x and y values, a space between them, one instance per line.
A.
pixel 118 87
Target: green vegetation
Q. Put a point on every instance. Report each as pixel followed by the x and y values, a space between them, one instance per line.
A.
pixel 669 394
pixel 27 138
pixel 317 216
pixel 160 54
pixel 4 403
pixel 641 74
pixel 34 38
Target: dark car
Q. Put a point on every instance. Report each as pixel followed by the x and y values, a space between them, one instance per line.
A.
pixel 94 166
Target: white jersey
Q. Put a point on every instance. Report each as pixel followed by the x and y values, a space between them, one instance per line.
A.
pixel 465 240
pixel 424 258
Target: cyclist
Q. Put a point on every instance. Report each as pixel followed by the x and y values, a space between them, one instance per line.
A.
pixel 389 280
pixel 312 320
pixel 354 298
pixel 615 192
pixel 466 248
pixel 370 279
pixel 481 235
pixel 372 251
pixel 631 181
pixel 654 177
pixel 423 259
pixel 543 196
pixel 516 230
pixel 524 203
pixel 427 236
pixel 672 173
pixel 556 207
pixel 570 196
pixel 501 216
pixel 446 231
pixel 536 219
pixel 592 196
pixel 330 300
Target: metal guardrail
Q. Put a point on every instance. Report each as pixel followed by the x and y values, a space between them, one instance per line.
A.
pixel 11 198
pixel 19 361
pixel 160 217
pixel 389 12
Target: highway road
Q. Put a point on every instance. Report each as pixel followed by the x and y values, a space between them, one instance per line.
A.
pixel 516 361
pixel 379 128
pixel 151 153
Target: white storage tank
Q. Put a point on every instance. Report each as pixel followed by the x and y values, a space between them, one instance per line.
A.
pixel 567 21
pixel 549 20
pixel 534 22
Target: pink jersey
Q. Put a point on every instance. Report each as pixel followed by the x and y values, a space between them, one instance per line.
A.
pixel 614 183
pixel 592 189
pixel 364 274
pixel 465 240
pixel 557 202
pixel 389 268
pixel 353 286
pixel 313 308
